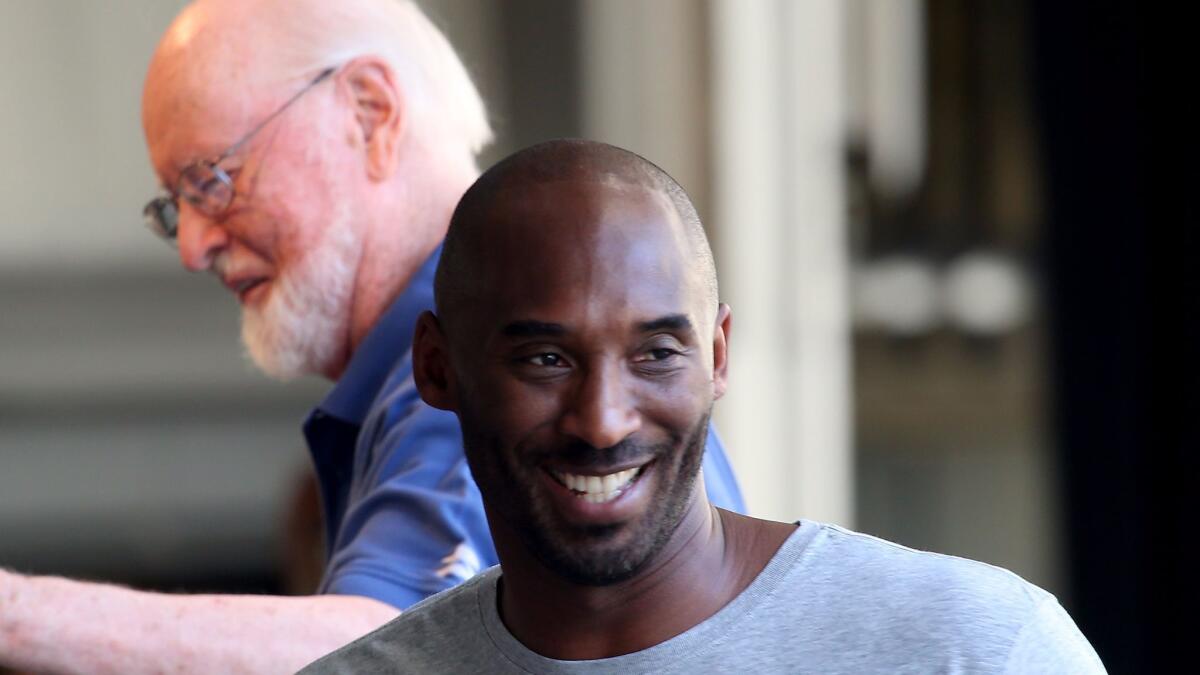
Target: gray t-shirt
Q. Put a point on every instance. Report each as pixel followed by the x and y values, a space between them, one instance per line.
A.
pixel 830 601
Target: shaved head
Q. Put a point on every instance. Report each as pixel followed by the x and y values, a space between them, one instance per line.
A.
pixel 529 174
pixel 578 334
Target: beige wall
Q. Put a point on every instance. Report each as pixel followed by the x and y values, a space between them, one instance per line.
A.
pixel 74 176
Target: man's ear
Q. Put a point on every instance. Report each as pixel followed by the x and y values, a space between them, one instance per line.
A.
pixel 721 350
pixel 379 110
pixel 431 364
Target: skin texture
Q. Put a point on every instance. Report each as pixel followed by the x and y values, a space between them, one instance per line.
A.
pixel 53 625
pixel 586 340
pixel 345 153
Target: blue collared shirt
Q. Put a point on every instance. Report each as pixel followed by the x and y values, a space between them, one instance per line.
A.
pixel 403 517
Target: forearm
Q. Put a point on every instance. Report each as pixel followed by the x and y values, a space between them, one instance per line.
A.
pixel 56 625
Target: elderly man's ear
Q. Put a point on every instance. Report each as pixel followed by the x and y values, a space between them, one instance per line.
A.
pixel 379 112
pixel 431 364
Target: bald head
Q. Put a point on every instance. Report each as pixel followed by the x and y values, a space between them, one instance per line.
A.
pixel 224 54
pixel 345 132
pixel 541 192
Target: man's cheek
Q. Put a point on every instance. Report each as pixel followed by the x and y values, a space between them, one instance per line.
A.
pixel 674 409
pixel 521 420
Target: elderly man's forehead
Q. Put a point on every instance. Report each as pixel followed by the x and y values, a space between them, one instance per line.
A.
pixel 216 57
pixel 196 107
pixel 182 125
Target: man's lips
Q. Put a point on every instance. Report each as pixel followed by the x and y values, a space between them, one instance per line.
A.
pixel 241 287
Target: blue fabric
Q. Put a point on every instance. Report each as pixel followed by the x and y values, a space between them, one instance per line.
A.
pixel 403 517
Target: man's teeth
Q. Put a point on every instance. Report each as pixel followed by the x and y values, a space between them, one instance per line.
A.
pixel 598 489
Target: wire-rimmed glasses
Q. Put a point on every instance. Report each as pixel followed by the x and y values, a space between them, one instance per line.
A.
pixel 204 184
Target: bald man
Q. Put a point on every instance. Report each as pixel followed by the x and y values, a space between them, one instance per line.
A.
pixel 579 340
pixel 311 154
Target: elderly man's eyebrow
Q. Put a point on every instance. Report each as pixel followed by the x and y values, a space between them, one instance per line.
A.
pixel 674 322
pixel 530 328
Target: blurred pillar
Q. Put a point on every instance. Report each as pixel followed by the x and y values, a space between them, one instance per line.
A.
pixel 645 85
pixel 885 95
pixel 778 92
pixel 742 101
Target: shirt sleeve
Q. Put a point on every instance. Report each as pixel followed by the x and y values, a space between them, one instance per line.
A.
pixel 1051 643
pixel 414 524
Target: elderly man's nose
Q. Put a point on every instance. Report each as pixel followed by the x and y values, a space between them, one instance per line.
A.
pixel 603 411
pixel 199 239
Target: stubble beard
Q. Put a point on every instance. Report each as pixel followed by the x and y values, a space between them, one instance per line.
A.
pixel 303 326
pixel 580 555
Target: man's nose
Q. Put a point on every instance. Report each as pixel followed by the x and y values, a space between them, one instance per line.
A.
pixel 603 411
pixel 199 239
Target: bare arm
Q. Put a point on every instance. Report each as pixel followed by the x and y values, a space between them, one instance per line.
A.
pixel 54 625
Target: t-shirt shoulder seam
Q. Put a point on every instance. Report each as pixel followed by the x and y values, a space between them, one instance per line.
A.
pixel 1034 593
pixel 1048 603
pixel 1025 626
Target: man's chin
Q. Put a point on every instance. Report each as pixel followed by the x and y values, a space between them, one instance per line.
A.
pixel 264 346
pixel 593 555
pixel 601 566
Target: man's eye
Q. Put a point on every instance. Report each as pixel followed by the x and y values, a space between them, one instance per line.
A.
pixel 547 360
pixel 660 354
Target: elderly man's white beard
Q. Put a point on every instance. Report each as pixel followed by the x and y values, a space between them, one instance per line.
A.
pixel 304 324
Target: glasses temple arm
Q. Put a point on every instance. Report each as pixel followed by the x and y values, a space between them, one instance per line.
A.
pixel 279 111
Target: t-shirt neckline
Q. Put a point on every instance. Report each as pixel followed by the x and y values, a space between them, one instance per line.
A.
pixel 663 655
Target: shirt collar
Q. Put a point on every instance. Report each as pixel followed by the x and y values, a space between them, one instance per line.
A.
pixel 389 339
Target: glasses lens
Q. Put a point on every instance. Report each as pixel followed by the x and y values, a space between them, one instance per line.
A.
pixel 207 188
pixel 162 217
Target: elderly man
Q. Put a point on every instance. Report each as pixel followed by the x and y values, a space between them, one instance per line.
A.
pixel 579 339
pixel 312 153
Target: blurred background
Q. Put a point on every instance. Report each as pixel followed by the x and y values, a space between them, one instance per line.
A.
pixel 964 311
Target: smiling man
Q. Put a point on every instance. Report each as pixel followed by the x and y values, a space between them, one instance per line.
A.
pixel 579 339
pixel 310 154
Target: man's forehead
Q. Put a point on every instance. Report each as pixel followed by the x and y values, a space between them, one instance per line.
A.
pixel 579 258
pixel 208 79
pixel 604 208
pixel 197 114
pixel 562 226
pixel 596 188
pixel 595 312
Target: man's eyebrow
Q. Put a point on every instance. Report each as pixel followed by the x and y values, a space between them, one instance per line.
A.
pixel 529 328
pixel 675 322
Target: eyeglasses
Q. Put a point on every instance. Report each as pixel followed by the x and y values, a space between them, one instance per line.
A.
pixel 204 184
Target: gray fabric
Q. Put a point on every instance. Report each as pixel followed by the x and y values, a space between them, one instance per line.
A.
pixel 830 601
